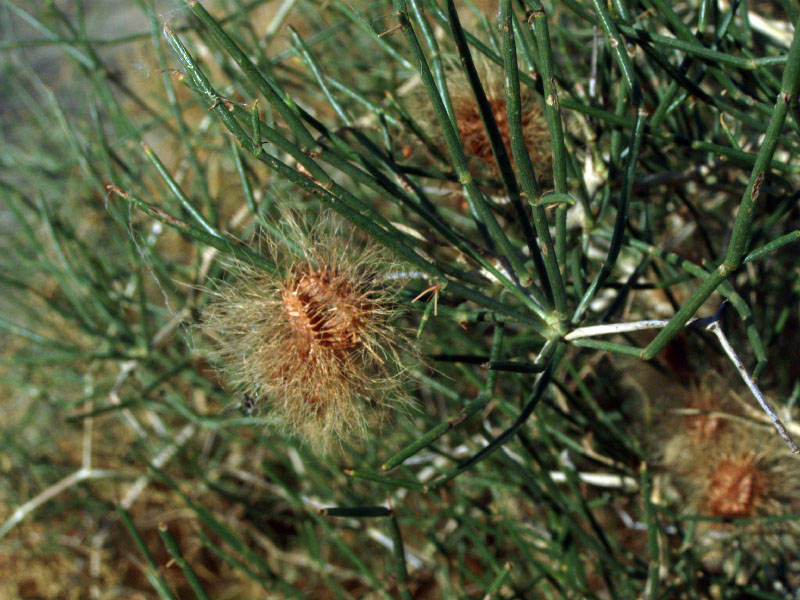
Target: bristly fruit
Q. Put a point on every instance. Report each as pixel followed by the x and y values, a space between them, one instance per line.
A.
pixel 736 487
pixel 316 344
pixel 473 133
pixel 727 466
pixel 718 461
pixel 471 130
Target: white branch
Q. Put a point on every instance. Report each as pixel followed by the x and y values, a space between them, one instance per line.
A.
pixel 712 325
pixel 773 416
pixel 51 492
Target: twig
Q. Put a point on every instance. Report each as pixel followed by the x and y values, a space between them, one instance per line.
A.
pixel 51 492
pixel 278 20
pixel 711 324
pixel 159 461
pixel 595 330
pixel 605 480
pixel 714 328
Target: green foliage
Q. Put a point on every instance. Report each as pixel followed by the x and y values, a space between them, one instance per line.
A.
pixel 529 467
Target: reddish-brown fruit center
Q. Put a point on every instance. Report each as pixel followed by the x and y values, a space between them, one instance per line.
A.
pixel 736 487
pixel 703 426
pixel 473 134
pixel 324 311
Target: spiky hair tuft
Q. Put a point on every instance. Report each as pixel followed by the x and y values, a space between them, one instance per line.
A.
pixel 728 466
pixel 471 130
pixel 316 344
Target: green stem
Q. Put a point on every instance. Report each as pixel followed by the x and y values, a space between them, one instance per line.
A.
pixel 552 112
pixel 252 72
pixel 477 202
pixel 498 147
pixel 790 83
pixel 175 552
pixel 400 568
pixel 522 160
pixel 620 221
pixel 541 385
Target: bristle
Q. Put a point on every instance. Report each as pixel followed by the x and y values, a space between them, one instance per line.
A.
pixel 473 133
pixel 471 130
pixel 317 345
pixel 707 417
pixel 713 460
pixel 325 310
pixel 737 486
